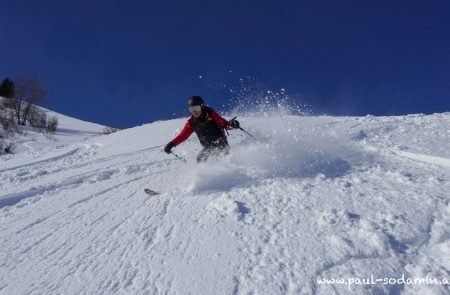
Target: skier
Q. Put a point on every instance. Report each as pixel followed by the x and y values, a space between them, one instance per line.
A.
pixel 209 127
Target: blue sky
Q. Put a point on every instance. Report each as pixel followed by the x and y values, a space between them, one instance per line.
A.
pixel 125 63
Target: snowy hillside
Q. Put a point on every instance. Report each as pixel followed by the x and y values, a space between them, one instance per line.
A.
pixel 31 143
pixel 313 199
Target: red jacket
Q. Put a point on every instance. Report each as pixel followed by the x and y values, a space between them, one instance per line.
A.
pixel 188 130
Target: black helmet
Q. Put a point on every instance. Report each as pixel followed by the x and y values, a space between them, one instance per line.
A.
pixel 195 101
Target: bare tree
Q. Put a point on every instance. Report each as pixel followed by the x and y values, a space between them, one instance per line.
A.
pixel 52 124
pixel 29 92
pixel 7 123
pixel 37 93
pixel 37 118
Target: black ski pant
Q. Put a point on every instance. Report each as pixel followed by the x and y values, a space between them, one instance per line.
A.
pixel 213 150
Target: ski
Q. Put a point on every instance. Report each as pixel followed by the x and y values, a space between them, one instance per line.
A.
pixel 150 192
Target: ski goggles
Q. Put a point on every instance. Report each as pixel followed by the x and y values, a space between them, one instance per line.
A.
pixel 195 108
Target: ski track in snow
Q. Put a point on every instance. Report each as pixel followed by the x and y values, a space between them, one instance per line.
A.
pixel 341 197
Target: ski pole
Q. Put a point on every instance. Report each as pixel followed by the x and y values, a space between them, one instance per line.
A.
pixel 242 129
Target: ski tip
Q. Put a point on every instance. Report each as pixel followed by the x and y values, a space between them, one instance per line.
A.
pixel 150 192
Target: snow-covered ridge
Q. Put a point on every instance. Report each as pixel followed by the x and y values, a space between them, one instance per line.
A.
pixel 312 198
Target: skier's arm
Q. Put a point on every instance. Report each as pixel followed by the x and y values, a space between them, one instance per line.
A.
pixel 184 134
pixel 220 121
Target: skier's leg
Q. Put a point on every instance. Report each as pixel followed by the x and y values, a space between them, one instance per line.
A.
pixel 203 155
pixel 222 148
pixel 226 149
pixel 220 151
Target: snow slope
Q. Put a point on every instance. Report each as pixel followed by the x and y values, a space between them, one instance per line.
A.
pixel 313 198
pixel 32 145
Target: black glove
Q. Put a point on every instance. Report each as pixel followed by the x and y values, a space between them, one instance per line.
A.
pixel 234 124
pixel 168 147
